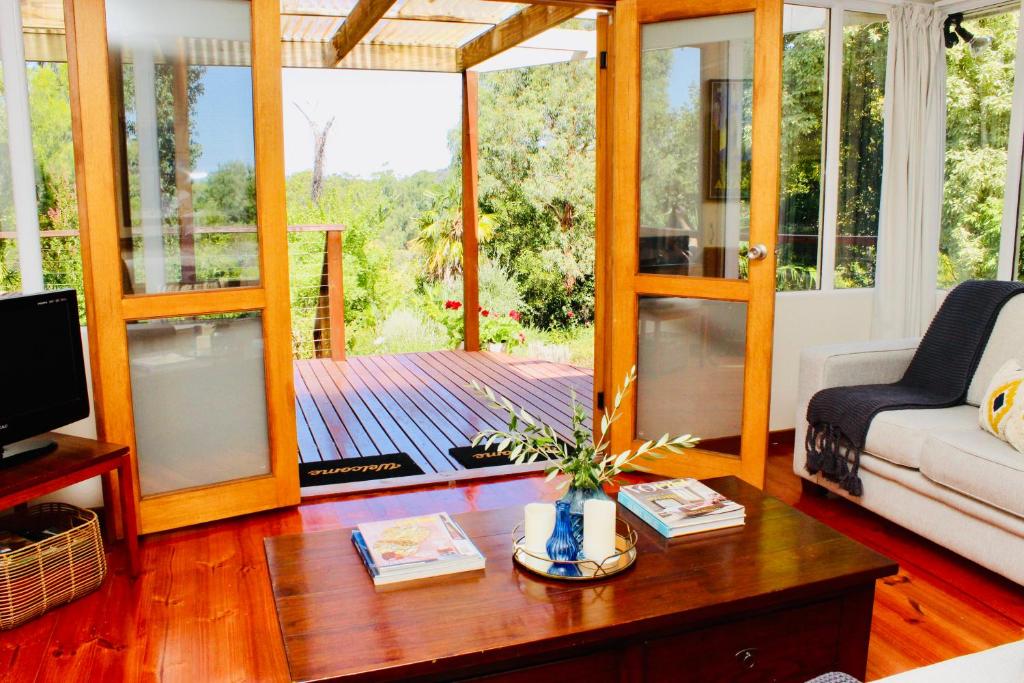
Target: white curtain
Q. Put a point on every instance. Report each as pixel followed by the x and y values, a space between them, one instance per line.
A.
pixel 912 173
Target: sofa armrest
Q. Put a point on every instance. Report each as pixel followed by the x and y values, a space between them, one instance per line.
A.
pixel 840 365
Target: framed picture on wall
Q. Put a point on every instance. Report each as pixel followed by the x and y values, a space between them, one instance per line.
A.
pixel 728 130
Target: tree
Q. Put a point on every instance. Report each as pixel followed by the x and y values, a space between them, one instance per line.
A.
pixel 440 232
pixel 537 137
pixel 979 95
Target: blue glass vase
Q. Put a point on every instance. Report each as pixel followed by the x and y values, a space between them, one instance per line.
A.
pixel 563 544
pixel 576 497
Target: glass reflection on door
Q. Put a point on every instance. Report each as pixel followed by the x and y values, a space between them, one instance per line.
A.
pixel 186 152
pixel 695 146
pixel 690 364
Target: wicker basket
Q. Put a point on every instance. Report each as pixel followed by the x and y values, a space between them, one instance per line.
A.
pixel 53 571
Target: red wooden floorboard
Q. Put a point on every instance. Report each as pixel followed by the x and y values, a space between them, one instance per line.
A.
pixel 421 403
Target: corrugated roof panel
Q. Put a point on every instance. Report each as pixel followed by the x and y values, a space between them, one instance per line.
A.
pixel 480 11
pixel 435 33
pixel 336 8
pixel 309 28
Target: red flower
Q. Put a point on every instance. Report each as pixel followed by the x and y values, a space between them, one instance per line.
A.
pixel 515 315
pixel 452 305
pixel 484 312
pixel 571 314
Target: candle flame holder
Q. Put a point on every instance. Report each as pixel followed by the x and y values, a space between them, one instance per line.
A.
pixel 540 564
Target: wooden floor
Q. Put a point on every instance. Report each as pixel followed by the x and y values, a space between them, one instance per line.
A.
pixel 421 403
pixel 202 610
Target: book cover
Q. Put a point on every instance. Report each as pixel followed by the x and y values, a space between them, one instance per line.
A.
pixel 710 523
pixel 676 503
pixel 401 544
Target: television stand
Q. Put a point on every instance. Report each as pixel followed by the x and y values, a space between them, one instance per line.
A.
pixel 20 451
pixel 70 460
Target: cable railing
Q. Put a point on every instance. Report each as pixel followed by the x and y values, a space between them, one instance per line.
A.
pixel 315 282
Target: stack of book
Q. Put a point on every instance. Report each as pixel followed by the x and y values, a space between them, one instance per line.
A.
pixel 415 548
pixel 677 507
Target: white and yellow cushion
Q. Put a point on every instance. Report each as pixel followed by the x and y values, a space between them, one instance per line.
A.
pixel 1002 410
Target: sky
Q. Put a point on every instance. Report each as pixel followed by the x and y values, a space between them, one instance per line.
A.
pixel 384 120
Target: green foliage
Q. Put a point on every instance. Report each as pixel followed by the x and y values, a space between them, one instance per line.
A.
pixel 860 152
pixel 537 130
pixel 440 231
pixel 803 98
pixel 979 93
pixel 501 328
pixel 227 196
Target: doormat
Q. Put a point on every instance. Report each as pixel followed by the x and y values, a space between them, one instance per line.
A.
pixel 357 469
pixel 475 457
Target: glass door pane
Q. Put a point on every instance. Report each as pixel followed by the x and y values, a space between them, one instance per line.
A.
pixel 695 146
pixel 199 400
pixel 690 363
pixel 186 151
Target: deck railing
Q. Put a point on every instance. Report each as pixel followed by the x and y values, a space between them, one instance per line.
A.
pixel 316 286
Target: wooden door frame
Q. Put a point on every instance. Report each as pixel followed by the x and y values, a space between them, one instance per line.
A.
pixel 603 379
pixel 108 309
pixel 759 290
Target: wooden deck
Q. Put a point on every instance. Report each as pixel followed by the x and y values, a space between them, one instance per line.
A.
pixel 420 403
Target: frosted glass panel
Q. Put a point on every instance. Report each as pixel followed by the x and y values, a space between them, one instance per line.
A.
pixel 695 146
pixel 199 399
pixel 690 360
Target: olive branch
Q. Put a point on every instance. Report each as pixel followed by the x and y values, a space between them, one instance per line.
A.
pixel 585 464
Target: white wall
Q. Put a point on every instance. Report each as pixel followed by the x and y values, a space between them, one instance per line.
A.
pixel 805 319
pixel 87 493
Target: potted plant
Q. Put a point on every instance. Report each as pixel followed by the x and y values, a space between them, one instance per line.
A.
pixel 499 333
pixel 586 464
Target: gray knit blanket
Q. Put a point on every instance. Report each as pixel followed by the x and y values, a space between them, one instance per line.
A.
pixel 939 375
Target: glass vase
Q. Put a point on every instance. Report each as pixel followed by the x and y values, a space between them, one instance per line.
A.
pixel 563 545
pixel 576 496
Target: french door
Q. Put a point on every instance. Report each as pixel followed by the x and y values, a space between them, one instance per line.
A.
pixel 176 113
pixel 696 96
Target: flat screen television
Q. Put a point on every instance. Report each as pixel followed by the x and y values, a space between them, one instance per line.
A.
pixel 42 370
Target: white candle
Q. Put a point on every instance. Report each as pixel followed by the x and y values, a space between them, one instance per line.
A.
pixel 598 529
pixel 540 522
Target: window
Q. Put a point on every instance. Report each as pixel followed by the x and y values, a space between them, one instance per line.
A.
pixel 10 277
pixel 53 153
pixel 979 93
pixel 865 42
pixel 805 48
pixel 188 188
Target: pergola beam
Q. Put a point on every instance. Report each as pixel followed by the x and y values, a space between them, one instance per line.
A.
pixel 528 23
pixel 363 17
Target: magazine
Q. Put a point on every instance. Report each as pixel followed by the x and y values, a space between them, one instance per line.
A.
pixel 679 506
pixel 415 547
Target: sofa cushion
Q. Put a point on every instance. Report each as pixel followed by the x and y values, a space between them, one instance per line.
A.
pixel 1002 412
pixel 978 465
pixel 898 436
pixel 1003 345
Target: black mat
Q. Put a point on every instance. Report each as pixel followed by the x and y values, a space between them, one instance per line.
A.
pixel 475 457
pixel 357 469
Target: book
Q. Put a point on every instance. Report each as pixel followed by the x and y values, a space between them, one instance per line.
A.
pixel 415 548
pixel 677 507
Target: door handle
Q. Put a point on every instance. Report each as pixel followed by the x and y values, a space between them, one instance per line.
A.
pixel 757 252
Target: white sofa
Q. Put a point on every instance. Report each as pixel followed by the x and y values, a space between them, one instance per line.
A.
pixel 935 472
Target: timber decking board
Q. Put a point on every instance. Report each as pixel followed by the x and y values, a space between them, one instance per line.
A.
pixel 509 386
pixel 407 392
pixel 310 414
pixel 421 404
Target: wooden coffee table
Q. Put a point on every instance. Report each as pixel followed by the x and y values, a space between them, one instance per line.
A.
pixel 783 598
